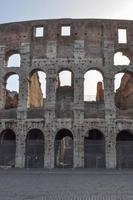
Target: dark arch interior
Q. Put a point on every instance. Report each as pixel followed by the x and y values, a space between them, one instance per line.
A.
pixel 63 133
pixel 64 149
pixel 8 135
pixel 124 136
pixel 124 149
pixel 64 86
pixel 94 149
pixel 95 135
pixel 7 148
pixel 34 149
pixel 35 134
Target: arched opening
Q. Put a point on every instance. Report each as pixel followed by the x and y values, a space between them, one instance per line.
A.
pixel 14 60
pixel 12 91
pixel 124 149
pixel 94 150
pixel 121 59
pixel 64 94
pixel 64 149
pixel 34 157
pixel 124 91
pixel 93 86
pixel 7 148
pixel 93 94
pixel 37 89
pixel 65 78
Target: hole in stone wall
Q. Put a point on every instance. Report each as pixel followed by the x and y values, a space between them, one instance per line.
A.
pixel 65 78
pixel 93 86
pixel 118 78
pixel 65 31
pixel 14 60
pixel 37 89
pixel 120 59
pixel 64 94
pixel 12 91
pixel 122 36
pixel 39 31
pixel 124 91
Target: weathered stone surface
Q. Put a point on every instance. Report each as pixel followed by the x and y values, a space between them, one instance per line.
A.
pixel 124 94
pixel 91 45
pixel 100 92
pixel 35 92
pixel 11 99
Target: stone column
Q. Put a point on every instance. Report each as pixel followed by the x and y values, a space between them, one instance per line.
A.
pixel 110 146
pixel 49 148
pixel 23 80
pixel 49 106
pixel 110 115
pixel 20 146
pixel 78 110
pixel 50 97
pixel 78 147
pixel 78 97
pixel 109 98
pixel 2 83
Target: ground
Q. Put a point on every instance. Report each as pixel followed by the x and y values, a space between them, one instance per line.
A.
pixel 66 184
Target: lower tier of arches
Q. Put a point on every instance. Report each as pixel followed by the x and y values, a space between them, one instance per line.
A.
pixel 65 150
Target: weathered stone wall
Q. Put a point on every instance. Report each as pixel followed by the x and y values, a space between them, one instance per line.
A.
pixel 91 45
pixel 35 93
pixel 124 94
pixel 100 92
pixel 11 99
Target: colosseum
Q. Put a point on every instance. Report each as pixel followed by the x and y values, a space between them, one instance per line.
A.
pixel 62 128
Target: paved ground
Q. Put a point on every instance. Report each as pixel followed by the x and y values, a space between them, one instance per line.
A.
pixel 66 185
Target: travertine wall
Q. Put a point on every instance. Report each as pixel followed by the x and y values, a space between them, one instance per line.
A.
pixel 35 96
pixel 91 45
pixel 124 94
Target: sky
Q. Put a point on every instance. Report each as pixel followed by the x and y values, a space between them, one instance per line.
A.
pixel 23 10
pixel 20 10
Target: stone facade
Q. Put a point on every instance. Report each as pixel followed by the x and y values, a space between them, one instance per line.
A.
pixel 124 94
pixel 91 45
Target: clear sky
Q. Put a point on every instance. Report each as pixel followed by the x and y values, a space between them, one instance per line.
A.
pixel 21 10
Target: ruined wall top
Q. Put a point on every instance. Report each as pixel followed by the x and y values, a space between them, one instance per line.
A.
pixel 92 31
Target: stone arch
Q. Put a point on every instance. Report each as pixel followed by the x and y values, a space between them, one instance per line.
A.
pixel 36 88
pixel 94 149
pixel 7 147
pixel 35 142
pixel 65 77
pixel 93 94
pixel 123 90
pixel 122 57
pixel 14 60
pixel 11 90
pixel 124 149
pixel 63 149
pixel 64 93
pixel 93 83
